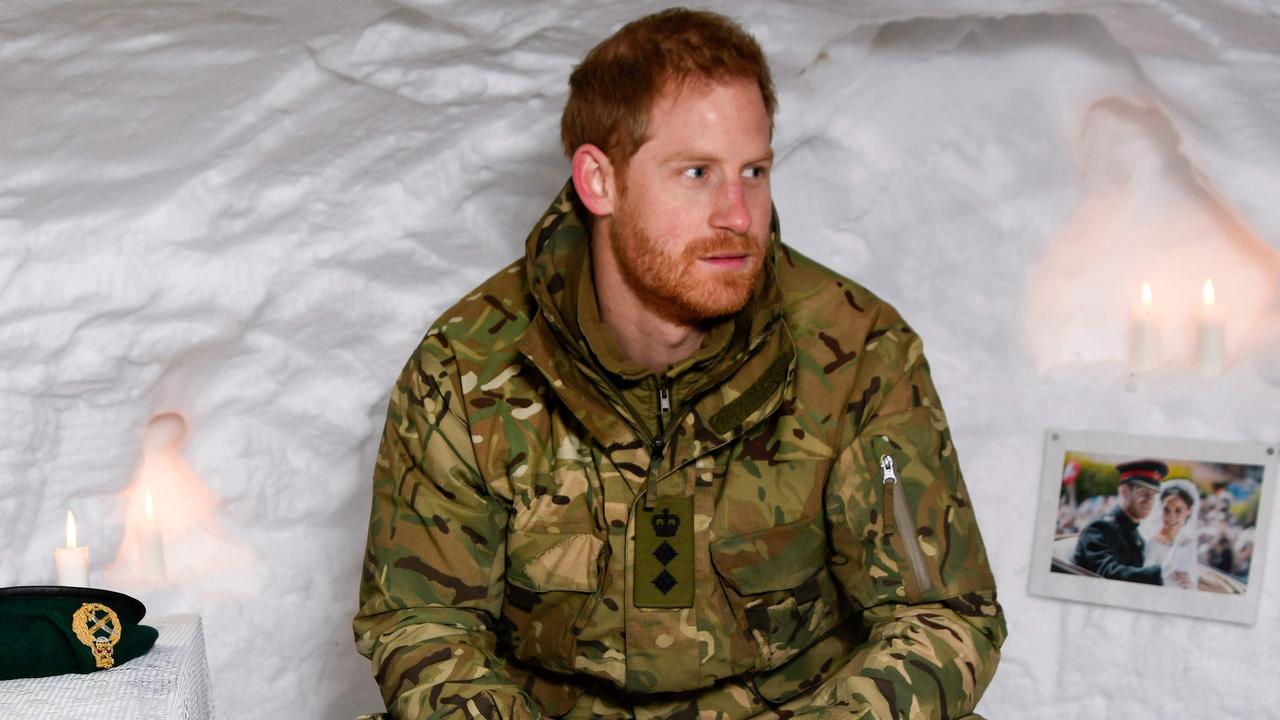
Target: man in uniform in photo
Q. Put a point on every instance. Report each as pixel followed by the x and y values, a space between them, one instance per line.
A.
pixel 665 466
pixel 1111 545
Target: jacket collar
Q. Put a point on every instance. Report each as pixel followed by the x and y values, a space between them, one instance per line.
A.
pixel 575 352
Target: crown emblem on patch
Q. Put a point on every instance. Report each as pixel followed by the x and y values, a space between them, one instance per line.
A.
pixel 665 523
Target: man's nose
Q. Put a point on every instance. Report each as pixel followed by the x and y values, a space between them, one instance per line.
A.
pixel 731 211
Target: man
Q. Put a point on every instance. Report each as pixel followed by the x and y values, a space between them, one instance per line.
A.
pixel 665 466
pixel 1111 546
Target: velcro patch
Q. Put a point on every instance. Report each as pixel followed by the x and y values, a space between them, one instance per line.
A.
pixel 731 415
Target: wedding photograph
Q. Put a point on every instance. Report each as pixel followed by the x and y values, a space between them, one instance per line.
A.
pixel 1164 524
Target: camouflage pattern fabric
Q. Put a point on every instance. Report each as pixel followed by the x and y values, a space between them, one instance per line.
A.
pixel 837 566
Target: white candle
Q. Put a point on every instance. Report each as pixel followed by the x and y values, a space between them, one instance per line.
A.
pixel 72 561
pixel 1144 335
pixel 1211 355
pixel 152 545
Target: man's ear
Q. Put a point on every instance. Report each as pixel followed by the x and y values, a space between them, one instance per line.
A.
pixel 593 180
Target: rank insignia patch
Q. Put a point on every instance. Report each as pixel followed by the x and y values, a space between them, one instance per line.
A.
pixel 664 555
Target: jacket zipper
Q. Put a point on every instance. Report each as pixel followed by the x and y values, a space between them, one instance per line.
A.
pixel 657 448
pixel 898 514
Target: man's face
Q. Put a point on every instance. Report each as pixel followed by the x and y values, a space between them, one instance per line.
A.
pixel 692 218
pixel 1137 500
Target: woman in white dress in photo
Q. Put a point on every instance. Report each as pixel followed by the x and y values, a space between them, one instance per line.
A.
pixel 1171 534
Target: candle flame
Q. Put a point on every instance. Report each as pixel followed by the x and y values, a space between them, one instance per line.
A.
pixel 151 512
pixel 71 530
pixel 1146 294
pixel 1209 297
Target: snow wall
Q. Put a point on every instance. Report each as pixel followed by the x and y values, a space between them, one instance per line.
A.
pixel 248 214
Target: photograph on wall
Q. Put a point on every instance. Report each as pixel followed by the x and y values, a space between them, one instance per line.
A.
pixel 1160 524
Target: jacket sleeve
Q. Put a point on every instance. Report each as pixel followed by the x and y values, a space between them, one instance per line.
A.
pixel 1095 552
pixel 906 550
pixel 431 585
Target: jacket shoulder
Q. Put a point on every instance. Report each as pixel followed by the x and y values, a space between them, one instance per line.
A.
pixel 814 295
pixel 856 357
pixel 489 319
pixel 824 307
pixel 1105 525
pixel 473 341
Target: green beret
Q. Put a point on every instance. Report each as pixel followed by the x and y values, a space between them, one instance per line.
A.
pixel 53 630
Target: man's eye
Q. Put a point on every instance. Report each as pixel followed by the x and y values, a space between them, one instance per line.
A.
pixel 695 173
pixel 756 172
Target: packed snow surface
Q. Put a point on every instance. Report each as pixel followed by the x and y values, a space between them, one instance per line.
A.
pixel 248 213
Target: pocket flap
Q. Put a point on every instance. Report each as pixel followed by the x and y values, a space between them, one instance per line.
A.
pixel 777 558
pixel 544 562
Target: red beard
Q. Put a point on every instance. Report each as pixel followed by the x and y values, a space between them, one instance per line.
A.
pixel 675 283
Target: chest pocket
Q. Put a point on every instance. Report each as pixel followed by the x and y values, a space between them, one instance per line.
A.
pixel 777 582
pixel 556 564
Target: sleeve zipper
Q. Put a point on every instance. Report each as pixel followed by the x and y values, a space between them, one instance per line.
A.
pixel 897 514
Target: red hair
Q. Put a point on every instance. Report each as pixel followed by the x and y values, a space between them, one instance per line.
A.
pixel 615 85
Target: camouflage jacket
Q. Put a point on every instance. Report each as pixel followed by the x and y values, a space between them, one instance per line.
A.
pixel 792 486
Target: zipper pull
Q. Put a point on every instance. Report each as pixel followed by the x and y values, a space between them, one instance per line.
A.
pixel 886 468
pixel 656 448
pixel 650 485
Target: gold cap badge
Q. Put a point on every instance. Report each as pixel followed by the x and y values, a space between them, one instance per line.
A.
pixel 97 626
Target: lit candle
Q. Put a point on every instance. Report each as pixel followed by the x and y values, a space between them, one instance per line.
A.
pixel 1211 335
pixel 1144 335
pixel 152 546
pixel 72 561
